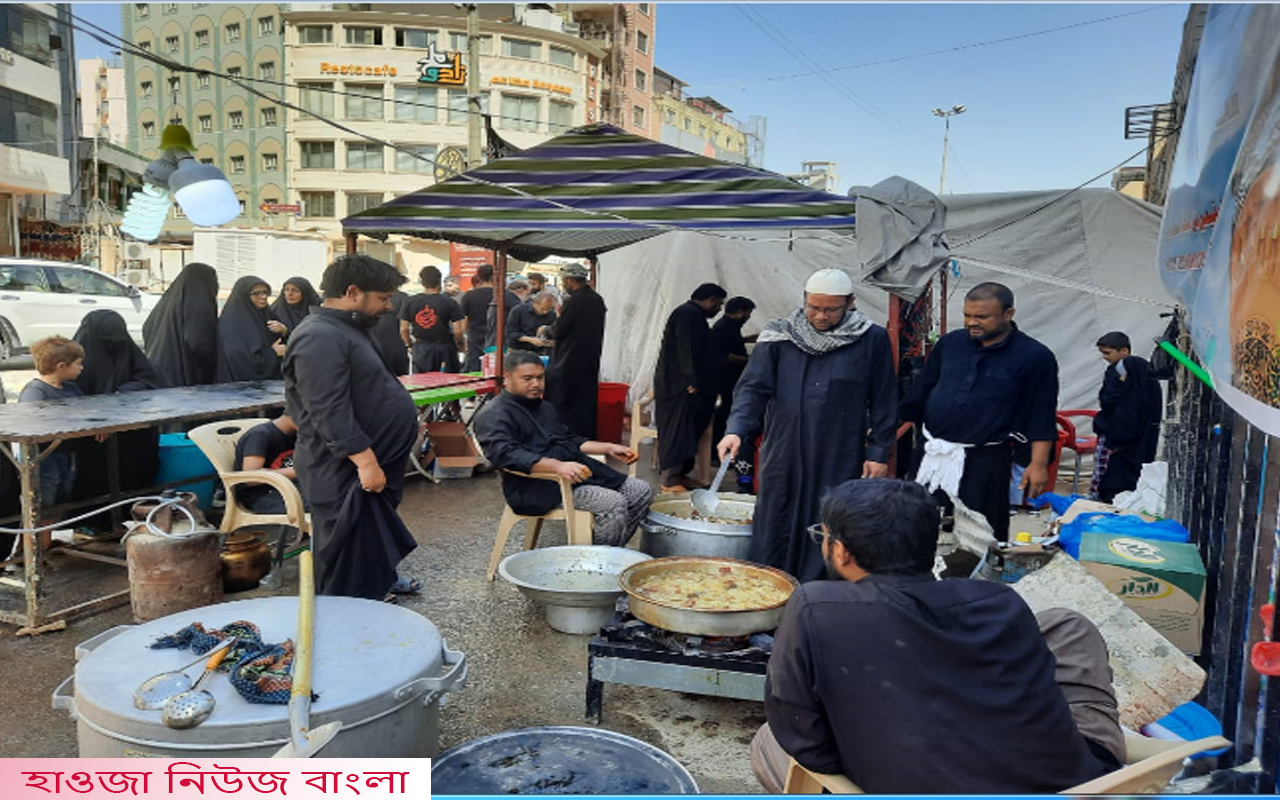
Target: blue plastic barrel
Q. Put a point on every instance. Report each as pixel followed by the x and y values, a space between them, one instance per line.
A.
pixel 180 458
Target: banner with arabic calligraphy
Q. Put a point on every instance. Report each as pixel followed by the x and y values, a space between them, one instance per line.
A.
pixel 1220 239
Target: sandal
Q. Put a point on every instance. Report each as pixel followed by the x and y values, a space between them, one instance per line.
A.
pixel 405 585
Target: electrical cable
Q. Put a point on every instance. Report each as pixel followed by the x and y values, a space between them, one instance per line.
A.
pixel 161 502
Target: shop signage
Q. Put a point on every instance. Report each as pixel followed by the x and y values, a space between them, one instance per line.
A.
pixel 357 69
pixel 530 83
pixel 465 259
pixel 444 69
pixel 281 208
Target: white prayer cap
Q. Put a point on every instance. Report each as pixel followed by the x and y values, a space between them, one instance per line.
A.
pixel 829 281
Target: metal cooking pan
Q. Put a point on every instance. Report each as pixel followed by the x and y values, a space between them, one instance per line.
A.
pixel 704 623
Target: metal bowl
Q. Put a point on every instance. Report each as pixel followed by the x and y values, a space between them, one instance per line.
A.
pixel 668 530
pixel 705 622
pixel 577 583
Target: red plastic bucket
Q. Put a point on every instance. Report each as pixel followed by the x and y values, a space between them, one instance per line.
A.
pixel 611 405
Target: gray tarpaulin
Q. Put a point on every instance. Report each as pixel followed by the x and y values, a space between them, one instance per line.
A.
pixel 901 239
pixel 1096 248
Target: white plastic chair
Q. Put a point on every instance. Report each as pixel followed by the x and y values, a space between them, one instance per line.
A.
pixel 217 440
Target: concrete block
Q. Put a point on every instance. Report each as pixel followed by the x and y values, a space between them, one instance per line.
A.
pixel 1151 676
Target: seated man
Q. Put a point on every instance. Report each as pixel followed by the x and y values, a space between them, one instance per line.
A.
pixel 907 684
pixel 519 431
pixel 266 446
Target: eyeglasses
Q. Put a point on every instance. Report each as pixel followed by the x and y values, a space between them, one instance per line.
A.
pixel 816 533
pixel 261 293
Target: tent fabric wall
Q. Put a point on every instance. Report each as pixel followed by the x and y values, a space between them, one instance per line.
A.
pixel 1094 237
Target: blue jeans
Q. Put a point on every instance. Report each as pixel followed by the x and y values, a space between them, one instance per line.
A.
pixel 57 478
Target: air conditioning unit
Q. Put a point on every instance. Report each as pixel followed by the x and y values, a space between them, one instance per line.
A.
pixel 137 251
pixel 138 277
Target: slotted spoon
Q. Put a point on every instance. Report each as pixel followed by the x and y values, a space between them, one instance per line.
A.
pixel 158 689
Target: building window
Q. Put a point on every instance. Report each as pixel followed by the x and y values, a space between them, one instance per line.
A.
pixel 361 35
pixel 242 207
pixel 364 100
pixel 519 48
pixel 644 9
pixel 642 42
pixel 266 26
pixel 202 80
pixel 206 123
pixel 206 161
pixel 144 47
pixel 171 8
pixel 458 44
pixel 519 112
pixel 637 116
pixel 364 155
pixel 236 120
pixel 362 201
pixel 270 201
pixel 171 43
pixel 316 98
pixel 560 116
pixel 268 117
pixel 270 162
pixel 642 80
pixel 458 107
pixel 202 38
pixel 669 116
pixel 415 37
pixel 175 84
pixel 146 88
pixel 317 155
pixel 142 10
pixel 702 131
pixel 407 158
pixel 317 204
pixel 237 164
pixel 315 34
pixel 560 57
pixel 233 72
pixel 232 32
pixel 267 71
pixel 417 103
pixel 148 129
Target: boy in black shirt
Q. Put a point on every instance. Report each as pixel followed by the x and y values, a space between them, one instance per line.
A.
pixel 1128 426
pixel 431 326
pixel 266 446
pixel 59 362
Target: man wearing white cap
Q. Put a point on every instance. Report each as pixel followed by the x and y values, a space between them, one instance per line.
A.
pixel 821 386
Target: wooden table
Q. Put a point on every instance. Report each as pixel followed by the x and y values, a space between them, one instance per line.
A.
pixel 37 428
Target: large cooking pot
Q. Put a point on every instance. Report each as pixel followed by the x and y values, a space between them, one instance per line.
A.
pixel 667 529
pixel 378 668
pixel 704 623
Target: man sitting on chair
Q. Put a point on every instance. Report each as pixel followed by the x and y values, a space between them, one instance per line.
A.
pixel 520 432
pixel 906 684
pixel 268 445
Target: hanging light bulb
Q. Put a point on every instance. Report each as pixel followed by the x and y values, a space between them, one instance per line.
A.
pixel 144 218
pixel 204 193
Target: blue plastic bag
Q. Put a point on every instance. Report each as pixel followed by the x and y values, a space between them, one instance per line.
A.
pixel 1060 503
pixel 1165 530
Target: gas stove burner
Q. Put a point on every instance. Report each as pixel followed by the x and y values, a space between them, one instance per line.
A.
pixel 691 645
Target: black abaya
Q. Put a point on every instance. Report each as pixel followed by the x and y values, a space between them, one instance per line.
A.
pixel 181 332
pixel 244 340
pixel 291 314
pixel 573 373
pixel 387 334
pixel 689 357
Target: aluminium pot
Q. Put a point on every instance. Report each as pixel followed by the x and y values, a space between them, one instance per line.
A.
pixel 378 668
pixel 705 623
pixel 668 531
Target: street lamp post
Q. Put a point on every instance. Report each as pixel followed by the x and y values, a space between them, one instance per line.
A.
pixel 946 139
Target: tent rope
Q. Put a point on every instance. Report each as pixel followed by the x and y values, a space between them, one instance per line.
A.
pixel 1053 280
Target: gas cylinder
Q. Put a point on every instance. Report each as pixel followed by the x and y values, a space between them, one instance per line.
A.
pixel 169 573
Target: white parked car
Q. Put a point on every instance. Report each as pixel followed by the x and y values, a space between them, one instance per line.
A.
pixel 46 298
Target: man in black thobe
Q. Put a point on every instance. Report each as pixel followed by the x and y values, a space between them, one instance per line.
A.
pixel 985 389
pixel 685 383
pixel 910 685
pixel 733 347
pixel 820 384
pixel 356 426
pixel 1128 424
pixel 574 372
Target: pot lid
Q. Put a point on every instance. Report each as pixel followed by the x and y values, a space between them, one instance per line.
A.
pixel 364 652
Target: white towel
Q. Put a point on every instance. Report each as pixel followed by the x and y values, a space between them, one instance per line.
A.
pixel 942 465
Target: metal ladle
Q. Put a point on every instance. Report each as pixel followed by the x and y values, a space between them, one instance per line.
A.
pixel 189 709
pixel 158 689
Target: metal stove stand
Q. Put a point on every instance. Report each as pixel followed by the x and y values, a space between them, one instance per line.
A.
pixel 631 652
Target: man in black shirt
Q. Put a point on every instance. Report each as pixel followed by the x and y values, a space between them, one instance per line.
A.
pixel 574 372
pixel 266 446
pixel 513 297
pixel 984 389
pixel 911 685
pixel 537 285
pixel 475 307
pixel 733 349
pixel 527 319
pixel 431 326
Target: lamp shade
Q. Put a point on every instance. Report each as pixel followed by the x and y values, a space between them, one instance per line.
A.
pixel 204 193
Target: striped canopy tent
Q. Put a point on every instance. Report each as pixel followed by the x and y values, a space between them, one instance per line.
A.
pixel 597 188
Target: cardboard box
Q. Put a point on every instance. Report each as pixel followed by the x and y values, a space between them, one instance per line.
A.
pixel 1092 506
pixel 1163 582
pixel 454 453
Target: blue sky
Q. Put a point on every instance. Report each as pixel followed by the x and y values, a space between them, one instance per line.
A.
pixel 1044 112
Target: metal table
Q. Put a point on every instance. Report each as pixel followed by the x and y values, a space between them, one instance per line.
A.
pixel 36 428
pixel 430 390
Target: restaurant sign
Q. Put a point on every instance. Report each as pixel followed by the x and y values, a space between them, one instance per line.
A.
pixel 327 68
pixel 441 68
pixel 531 83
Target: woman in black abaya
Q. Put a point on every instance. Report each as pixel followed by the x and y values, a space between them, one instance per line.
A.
pixel 114 363
pixel 247 347
pixel 181 332
pixel 294 303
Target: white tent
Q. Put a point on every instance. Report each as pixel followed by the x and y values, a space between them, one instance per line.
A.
pixel 1078 267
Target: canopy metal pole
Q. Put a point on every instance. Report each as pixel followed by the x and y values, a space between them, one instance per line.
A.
pixel 351 243
pixel 595 269
pixel 500 297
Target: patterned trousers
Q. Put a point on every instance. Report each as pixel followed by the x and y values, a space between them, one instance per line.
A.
pixel 617 513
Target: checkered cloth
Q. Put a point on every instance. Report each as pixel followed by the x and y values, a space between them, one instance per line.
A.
pixel 259 671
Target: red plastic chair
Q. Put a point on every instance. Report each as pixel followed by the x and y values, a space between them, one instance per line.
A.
pixel 1080 445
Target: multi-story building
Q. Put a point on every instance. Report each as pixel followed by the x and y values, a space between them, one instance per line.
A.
pixel 239 132
pixel 37 120
pixel 627 33
pixel 703 125
pixel 397 73
pixel 104 102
